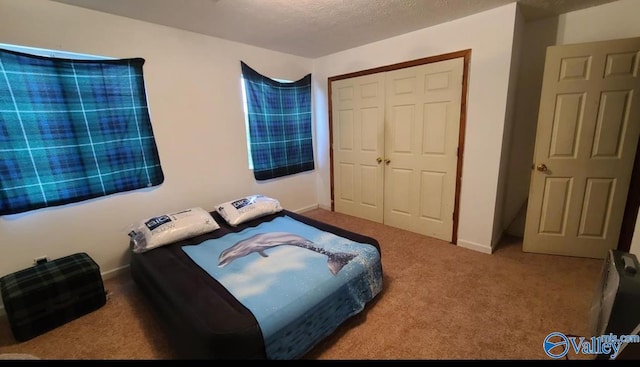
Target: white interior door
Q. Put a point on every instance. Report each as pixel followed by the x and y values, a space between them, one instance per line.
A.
pixel 588 128
pixel 358 146
pixel 421 142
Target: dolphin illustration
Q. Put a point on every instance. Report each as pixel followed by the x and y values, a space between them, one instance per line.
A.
pixel 264 241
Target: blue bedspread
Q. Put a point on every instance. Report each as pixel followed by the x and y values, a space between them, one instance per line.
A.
pixel 299 282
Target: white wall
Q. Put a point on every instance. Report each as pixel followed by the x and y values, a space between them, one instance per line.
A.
pixel 193 90
pixel 518 45
pixel 614 20
pixel 489 35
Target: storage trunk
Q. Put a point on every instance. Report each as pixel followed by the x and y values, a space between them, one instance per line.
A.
pixel 48 295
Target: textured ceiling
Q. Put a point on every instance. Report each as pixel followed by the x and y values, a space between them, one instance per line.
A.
pixel 314 28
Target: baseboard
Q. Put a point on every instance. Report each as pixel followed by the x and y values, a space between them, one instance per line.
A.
pixel 306 209
pixel 115 272
pixel 325 207
pixel 475 246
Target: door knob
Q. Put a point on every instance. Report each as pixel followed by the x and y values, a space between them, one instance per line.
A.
pixel 379 160
pixel 387 161
pixel 542 167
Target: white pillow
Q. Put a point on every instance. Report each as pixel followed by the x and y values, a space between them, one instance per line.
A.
pixel 250 207
pixel 169 228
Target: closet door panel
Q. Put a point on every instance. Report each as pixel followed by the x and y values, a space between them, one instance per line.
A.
pixel 358 140
pixel 425 142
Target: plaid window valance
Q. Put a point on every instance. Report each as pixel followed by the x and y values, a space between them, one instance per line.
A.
pixel 279 116
pixel 72 130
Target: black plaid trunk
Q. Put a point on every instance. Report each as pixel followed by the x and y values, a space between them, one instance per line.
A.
pixel 48 295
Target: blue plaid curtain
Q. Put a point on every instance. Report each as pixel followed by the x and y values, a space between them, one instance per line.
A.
pixel 279 125
pixel 72 130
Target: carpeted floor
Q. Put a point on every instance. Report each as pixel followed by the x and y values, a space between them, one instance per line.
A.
pixel 439 301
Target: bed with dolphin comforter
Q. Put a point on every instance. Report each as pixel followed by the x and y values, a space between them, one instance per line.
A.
pixel 271 288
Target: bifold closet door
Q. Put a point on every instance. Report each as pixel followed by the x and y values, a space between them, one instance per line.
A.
pixel 422 113
pixel 358 146
pixel 395 144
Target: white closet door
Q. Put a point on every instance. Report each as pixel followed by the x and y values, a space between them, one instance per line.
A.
pixel 358 146
pixel 395 144
pixel 422 113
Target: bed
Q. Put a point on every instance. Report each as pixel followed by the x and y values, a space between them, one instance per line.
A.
pixel 270 288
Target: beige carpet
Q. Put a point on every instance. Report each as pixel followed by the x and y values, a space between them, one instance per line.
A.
pixel 439 301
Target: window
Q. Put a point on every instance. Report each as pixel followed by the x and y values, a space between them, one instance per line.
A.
pixel 279 124
pixel 72 129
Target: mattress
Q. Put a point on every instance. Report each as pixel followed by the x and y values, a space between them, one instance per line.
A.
pixel 209 316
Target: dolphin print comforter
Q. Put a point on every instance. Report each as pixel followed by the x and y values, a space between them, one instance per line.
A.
pixel 272 288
